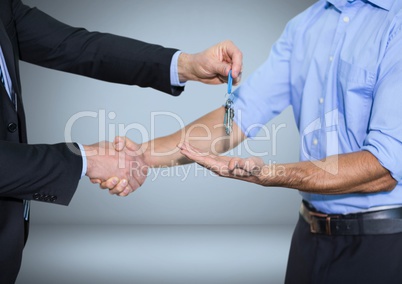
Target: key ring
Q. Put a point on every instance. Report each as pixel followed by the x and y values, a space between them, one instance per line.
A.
pixel 230 82
pixel 229 95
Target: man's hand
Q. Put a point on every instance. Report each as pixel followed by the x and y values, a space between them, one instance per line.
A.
pixel 249 169
pixel 212 65
pixel 127 168
pixel 356 172
pixel 124 146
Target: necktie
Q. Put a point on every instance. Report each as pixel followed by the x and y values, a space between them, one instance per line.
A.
pixel 1 76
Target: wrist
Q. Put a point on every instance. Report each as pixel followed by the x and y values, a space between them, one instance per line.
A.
pixel 89 152
pixel 84 159
pixel 267 175
pixel 146 150
pixel 184 68
pixel 160 153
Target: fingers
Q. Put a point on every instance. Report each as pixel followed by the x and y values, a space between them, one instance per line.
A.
pixel 127 191
pixel 119 187
pixel 119 143
pixel 216 164
pixel 125 186
pixel 122 188
pixel 237 59
pixel 236 80
pixel 191 152
pixel 226 67
pixel 95 180
pixel 233 55
pixel 238 168
pixel 122 143
pixel 246 167
pixel 135 168
pixel 110 183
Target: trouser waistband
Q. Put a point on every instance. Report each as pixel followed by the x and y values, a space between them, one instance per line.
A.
pixel 387 221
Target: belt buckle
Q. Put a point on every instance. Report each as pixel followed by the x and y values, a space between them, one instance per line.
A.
pixel 315 229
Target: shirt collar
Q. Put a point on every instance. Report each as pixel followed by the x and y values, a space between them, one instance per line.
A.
pixel 384 4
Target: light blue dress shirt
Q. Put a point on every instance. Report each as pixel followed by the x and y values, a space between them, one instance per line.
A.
pixel 339 65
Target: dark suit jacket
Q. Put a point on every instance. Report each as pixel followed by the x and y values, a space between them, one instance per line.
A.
pixel 50 173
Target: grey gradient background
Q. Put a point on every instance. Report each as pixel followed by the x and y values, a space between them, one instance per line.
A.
pixel 184 196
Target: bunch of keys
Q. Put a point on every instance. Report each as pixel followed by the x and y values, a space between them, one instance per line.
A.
pixel 229 112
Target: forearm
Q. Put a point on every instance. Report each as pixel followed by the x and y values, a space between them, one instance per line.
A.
pixel 52 170
pixel 206 133
pixel 47 42
pixel 358 172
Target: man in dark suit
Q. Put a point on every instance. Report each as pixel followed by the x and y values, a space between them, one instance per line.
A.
pixel 50 173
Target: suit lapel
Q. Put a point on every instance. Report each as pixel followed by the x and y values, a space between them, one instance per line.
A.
pixel 9 56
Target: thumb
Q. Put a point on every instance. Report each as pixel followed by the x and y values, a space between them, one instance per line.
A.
pixel 223 68
pixel 119 143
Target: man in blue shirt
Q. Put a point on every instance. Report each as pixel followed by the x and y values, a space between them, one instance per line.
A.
pixel 339 65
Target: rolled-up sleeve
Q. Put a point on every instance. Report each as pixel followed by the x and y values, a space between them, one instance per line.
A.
pixel 384 138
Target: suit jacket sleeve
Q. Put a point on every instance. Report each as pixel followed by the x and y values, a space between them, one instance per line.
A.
pixel 47 42
pixel 41 172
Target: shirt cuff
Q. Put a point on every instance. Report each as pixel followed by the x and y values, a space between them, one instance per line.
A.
pixel 84 160
pixel 174 75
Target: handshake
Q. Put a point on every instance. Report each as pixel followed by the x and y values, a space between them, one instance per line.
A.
pixel 119 166
pixel 122 166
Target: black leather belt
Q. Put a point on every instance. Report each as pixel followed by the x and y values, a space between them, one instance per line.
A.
pixel 387 221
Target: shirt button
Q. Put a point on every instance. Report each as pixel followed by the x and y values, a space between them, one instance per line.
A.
pixel 346 19
pixel 331 58
pixel 321 100
pixel 315 141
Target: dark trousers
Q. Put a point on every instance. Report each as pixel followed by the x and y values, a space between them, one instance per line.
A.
pixel 364 259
